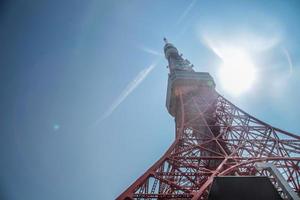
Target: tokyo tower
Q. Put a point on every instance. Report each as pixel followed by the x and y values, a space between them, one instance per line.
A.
pixel 220 151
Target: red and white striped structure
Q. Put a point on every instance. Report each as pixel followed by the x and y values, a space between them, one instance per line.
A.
pixel 213 138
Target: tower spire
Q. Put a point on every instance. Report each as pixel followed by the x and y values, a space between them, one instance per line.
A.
pixel 175 60
pixel 165 40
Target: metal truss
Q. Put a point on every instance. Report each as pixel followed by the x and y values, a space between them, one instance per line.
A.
pixel 215 138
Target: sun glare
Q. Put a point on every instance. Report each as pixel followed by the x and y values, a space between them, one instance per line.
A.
pixel 237 72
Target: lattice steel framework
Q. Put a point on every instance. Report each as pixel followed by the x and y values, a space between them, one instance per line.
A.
pixel 214 138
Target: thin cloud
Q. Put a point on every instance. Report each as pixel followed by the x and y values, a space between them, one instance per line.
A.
pixel 129 88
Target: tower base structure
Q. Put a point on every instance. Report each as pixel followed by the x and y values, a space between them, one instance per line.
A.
pixel 243 188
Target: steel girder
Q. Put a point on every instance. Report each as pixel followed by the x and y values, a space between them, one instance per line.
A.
pixel 215 138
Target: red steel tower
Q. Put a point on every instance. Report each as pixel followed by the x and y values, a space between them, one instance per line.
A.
pixel 214 138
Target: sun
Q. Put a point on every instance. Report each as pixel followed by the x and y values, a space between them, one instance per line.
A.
pixel 237 71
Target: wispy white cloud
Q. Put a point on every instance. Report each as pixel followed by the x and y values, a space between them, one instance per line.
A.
pixel 253 43
pixel 288 57
pixel 127 91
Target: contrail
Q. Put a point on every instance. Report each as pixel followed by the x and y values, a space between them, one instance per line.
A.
pixel 142 74
pixel 151 51
pixel 128 89
pixel 186 12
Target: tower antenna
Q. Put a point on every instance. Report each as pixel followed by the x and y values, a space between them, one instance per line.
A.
pixel 165 40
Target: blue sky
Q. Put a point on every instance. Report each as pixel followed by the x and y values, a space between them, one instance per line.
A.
pixel 83 84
